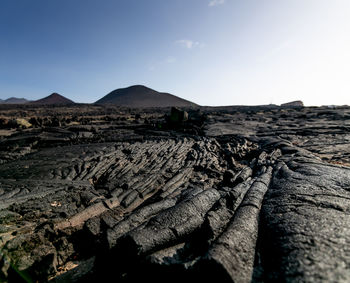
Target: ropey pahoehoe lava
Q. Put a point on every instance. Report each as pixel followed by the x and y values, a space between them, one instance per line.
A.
pixel 220 194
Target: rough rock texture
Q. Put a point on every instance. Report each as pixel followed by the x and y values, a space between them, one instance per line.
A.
pixel 232 194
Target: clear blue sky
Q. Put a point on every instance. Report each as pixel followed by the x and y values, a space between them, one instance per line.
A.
pixel 212 52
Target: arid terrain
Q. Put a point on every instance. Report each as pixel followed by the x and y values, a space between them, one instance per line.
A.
pixel 92 193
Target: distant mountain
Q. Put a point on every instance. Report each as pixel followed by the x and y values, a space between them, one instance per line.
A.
pixel 53 98
pixel 139 96
pixel 297 103
pixel 14 100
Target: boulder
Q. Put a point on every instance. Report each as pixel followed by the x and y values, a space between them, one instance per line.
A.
pixel 178 116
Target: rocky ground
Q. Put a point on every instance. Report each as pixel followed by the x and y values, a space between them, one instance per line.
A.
pixel 234 194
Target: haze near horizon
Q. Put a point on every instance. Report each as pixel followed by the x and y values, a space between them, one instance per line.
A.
pixel 211 52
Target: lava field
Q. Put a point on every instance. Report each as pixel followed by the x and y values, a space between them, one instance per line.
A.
pixel 94 193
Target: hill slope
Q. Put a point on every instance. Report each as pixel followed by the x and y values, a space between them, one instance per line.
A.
pixel 53 98
pixel 14 100
pixel 139 96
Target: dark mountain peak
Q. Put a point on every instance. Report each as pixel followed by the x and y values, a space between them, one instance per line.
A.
pixel 140 96
pixel 138 87
pixel 55 95
pixel 54 98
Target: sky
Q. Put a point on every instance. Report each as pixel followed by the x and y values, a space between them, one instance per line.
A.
pixel 211 52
